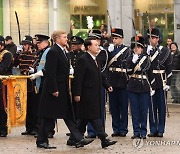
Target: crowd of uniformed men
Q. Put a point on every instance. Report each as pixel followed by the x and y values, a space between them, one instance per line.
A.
pixel 138 75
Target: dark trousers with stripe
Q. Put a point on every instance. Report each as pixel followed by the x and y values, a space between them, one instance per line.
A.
pixel 139 108
pixel 119 110
pixel 157 124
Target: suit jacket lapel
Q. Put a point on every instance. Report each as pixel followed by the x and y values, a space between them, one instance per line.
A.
pixel 66 59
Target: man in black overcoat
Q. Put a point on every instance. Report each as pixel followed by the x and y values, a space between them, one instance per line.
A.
pixel 55 100
pixel 87 91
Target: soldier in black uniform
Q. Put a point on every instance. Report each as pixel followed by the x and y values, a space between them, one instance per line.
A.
pixel 161 61
pixel 141 83
pixel 76 52
pixel 102 58
pixel 118 53
pixel 26 61
pixel 6 60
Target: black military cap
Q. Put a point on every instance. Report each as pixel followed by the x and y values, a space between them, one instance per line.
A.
pixel 40 37
pixel 27 40
pixel 95 33
pixel 139 41
pixel 76 40
pixel 117 32
pixel 8 38
pixel 154 32
pixel 2 41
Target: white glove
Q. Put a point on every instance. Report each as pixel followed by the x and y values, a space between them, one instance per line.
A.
pixel 166 87
pixel 71 72
pixel 36 75
pixel 135 58
pixel 111 47
pixel 152 92
pixel 31 70
pixel 149 48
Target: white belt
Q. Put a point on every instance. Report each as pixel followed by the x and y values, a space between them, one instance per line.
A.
pixel 138 76
pixel 114 69
pixel 158 71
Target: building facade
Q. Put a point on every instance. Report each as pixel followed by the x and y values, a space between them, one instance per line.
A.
pixel 45 16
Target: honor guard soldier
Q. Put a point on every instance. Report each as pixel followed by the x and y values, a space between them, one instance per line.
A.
pixel 118 79
pixel 26 61
pixel 43 49
pixel 6 60
pixel 76 52
pixel 102 58
pixel 161 61
pixel 140 85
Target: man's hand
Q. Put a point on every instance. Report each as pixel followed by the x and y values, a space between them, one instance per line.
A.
pixel 166 88
pixel 110 89
pixel 36 75
pixel 152 92
pixel 71 72
pixel 77 98
pixel 56 94
pixel 31 70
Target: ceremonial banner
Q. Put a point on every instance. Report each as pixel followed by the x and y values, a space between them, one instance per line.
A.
pixel 16 100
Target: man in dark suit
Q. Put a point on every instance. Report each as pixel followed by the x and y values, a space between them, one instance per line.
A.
pixel 87 91
pixel 55 101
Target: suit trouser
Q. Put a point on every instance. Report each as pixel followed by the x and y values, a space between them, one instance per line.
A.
pixel 3 115
pixel 96 124
pixel 46 125
pixel 90 129
pixel 159 108
pixel 52 127
pixel 119 109
pixel 32 112
pixel 139 108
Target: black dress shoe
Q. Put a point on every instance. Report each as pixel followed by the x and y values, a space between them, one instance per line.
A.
pixel 135 136
pixel 115 134
pixel 45 146
pixel 33 133
pixel 122 134
pixel 152 135
pixel 143 136
pixel 107 143
pixel 3 134
pixel 71 142
pixel 90 136
pixel 25 133
pixel 159 134
pixel 83 142
pixel 50 135
pixel 68 134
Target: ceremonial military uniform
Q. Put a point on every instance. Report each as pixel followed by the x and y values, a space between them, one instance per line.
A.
pixel 161 61
pixel 140 83
pixel 6 59
pixel 102 58
pixel 118 79
pixel 40 67
pixel 76 53
pixel 26 60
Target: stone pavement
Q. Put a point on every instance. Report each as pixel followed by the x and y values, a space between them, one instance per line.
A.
pixel 169 144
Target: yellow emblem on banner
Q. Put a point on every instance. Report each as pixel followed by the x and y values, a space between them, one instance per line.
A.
pixel 16 100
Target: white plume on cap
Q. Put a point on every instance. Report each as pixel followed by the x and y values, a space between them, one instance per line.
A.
pixel 89 22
